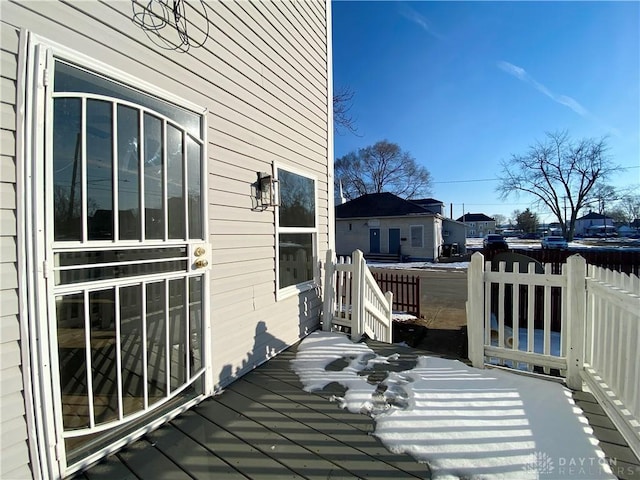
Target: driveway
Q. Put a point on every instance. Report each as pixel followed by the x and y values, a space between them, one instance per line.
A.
pixel 443 297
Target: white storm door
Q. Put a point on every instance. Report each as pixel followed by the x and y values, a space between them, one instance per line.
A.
pixel 126 258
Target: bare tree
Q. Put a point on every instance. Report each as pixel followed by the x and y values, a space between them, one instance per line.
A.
pixel 629 207
pixel 342 103
pixel 499 218
pixel 559 173
pixel 382 167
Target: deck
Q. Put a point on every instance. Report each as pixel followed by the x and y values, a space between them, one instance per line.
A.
pixel 264 426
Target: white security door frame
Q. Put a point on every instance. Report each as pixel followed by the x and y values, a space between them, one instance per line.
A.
pixel 116 234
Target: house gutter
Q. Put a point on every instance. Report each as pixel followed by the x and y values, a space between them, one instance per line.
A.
pixel 331 240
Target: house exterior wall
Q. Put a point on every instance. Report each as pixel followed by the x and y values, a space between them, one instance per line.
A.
pixel 353 233
pixel 454 232
pixel 263 78
pixel 583 226
pixel 480 229
pixel 13 426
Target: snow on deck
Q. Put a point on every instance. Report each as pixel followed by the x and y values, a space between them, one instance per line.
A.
pixel 464 422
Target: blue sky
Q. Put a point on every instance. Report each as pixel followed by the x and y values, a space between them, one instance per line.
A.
pixel 463 85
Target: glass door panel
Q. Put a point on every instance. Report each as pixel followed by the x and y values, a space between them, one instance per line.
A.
pixel 67 168
pixel 131 349
pixel 128 307
pixel 153 178
pixel 99 146
pixel 128 173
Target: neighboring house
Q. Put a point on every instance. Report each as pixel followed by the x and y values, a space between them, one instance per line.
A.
pixel 387 224
pixel 478 224
pixel 145 261
pixel 431 204
pixel 594 224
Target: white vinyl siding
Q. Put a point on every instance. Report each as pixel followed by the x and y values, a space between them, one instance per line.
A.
pixel 13 428
pixel 262 76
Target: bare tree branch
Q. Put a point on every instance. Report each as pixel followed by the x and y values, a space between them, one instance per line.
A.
pixel 343 121
pixel 382 167
pixel 556 172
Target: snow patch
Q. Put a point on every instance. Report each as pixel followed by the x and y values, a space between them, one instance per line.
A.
pixel 464 422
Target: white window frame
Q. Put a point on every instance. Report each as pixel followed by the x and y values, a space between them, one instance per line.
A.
pixel 291 290
pixel 421 227
pixel 39 54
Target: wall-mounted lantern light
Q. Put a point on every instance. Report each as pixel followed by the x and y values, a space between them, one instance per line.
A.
pixel 266 190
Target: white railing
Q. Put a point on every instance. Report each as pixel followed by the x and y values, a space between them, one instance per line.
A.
pixel 612 346
pixel 595 340
pixel 353 299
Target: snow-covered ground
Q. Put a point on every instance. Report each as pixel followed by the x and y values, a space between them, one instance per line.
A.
pixel 514 243
pixel 420 265
pixel 463 422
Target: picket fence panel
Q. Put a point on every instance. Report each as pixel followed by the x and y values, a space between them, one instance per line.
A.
pixel 597 342
pixel 612 339
pixel 353 299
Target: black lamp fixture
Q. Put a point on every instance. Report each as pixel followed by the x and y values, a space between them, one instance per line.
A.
pixel 266 191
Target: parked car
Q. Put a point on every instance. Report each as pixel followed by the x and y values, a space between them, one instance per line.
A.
pixel 530 236
pixel 493 241
pixel 554 241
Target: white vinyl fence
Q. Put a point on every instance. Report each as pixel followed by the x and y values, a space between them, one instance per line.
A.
pixel 353 299
pixel 595 339
pixel 612 346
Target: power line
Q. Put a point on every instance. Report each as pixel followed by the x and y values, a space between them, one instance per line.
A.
pixel 495 179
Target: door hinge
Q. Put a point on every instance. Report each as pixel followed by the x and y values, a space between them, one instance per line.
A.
pixel 45 77
pixel 45 269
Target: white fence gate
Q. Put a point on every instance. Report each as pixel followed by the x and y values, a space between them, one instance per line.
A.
pixel 353 299
pixel 597 341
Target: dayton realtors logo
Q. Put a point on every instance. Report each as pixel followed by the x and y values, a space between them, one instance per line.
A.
pixel 546 466
pixel 539 463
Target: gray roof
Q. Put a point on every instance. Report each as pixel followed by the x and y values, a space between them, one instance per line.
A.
pixel 379 205
pixel 475 217
pixel 594 216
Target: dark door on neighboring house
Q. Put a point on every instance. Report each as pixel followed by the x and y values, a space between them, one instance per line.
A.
pixel 394 241
pixel 374 240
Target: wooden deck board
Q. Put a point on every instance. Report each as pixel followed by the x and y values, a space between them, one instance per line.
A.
pixel 344 444
pixel 293 456
pixel 108 469
pixel 145 461
pixel 264 426
pixel 246 459
pixel 193 458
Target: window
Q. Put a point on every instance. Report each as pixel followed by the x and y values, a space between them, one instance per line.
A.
pixel 296 229
pixel 417 236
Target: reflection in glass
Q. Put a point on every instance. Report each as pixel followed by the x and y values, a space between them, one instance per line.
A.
pixel 194 159
pixel 72 361
pixel 72 79
pixel 156 342
pixel 118 271
pixel 103 355
pixel 296 258
pixel 177 332
pixel 297 200
pixel 67 168
pixel 175 183
pixel 128 173
pixel 131 349
pixel 106 256
pixel 153 173
pixel 195 323
pixel 99 170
